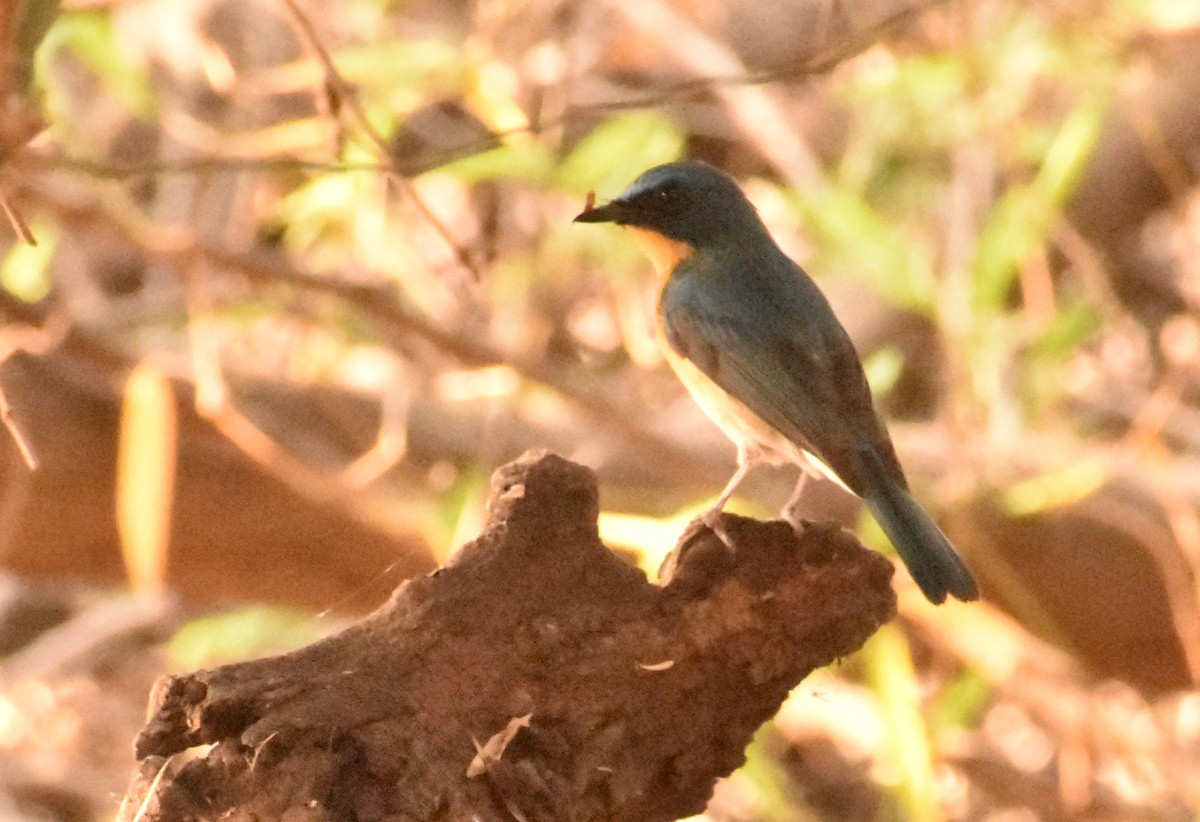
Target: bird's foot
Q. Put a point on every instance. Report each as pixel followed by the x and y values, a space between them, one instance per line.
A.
pixel 793 516
pixel 712 519
pixel 791 510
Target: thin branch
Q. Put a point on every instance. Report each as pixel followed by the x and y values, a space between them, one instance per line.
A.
pixel 214 402
pixel 757 111
pixel 191 165
pixel 348 100
pixel 391 444
pixel 805 67
pixel 381 304
pixel 18 222
pixel 793 70
pixel 376 300
pixel 208 163
pixel 14 431
pixel 36 341
pixel 1175 566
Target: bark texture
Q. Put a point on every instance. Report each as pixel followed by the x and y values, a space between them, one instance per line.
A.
pixel 535 677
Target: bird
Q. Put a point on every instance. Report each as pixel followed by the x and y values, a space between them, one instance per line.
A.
pixel 759 348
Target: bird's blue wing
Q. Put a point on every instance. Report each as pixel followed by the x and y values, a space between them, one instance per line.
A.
pixel 792 365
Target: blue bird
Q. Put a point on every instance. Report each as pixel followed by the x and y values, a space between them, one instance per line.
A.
pixel 759 348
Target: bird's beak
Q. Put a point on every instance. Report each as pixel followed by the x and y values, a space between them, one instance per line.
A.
pixel 610 212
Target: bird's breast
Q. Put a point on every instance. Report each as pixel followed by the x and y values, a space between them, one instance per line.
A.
pixel 663 252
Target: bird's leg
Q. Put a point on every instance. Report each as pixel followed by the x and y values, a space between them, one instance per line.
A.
pixel 746 460
pixel 791 511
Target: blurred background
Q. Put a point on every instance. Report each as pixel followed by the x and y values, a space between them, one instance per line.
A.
pixel 283 281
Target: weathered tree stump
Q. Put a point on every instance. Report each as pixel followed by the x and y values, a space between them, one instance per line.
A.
pixel 535 677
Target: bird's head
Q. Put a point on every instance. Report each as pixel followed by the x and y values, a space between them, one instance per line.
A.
pixel 684 202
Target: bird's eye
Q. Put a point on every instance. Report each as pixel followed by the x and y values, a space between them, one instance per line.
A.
pixel 658 197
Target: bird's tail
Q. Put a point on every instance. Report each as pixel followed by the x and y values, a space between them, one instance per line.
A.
pixel 929 556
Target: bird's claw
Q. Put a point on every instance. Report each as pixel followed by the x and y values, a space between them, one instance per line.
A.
pixel 712 519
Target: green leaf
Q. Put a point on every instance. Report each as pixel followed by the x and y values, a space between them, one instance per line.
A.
pixel 1023 218
pixel 890 673
pixel 1057 488
pixel 1073 323
pixel 400 64
pixel 765 779
pixel 1067 156
pixel 525 159
pixel 890 261
pixel 1015 227
pixel 616 151
pixel 395 78
pixel 90 36
pixel 25 270
pixel 883 369
pixel 238 635
pixel 36 19
pixel 321 207
pixel 961 702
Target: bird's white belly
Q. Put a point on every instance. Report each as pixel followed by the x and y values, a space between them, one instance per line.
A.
pixel 748 431
pixel 738 422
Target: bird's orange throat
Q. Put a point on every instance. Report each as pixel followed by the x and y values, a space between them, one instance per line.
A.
pixel 663 252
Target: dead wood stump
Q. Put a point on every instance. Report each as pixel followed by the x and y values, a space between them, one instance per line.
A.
pixel 535 677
